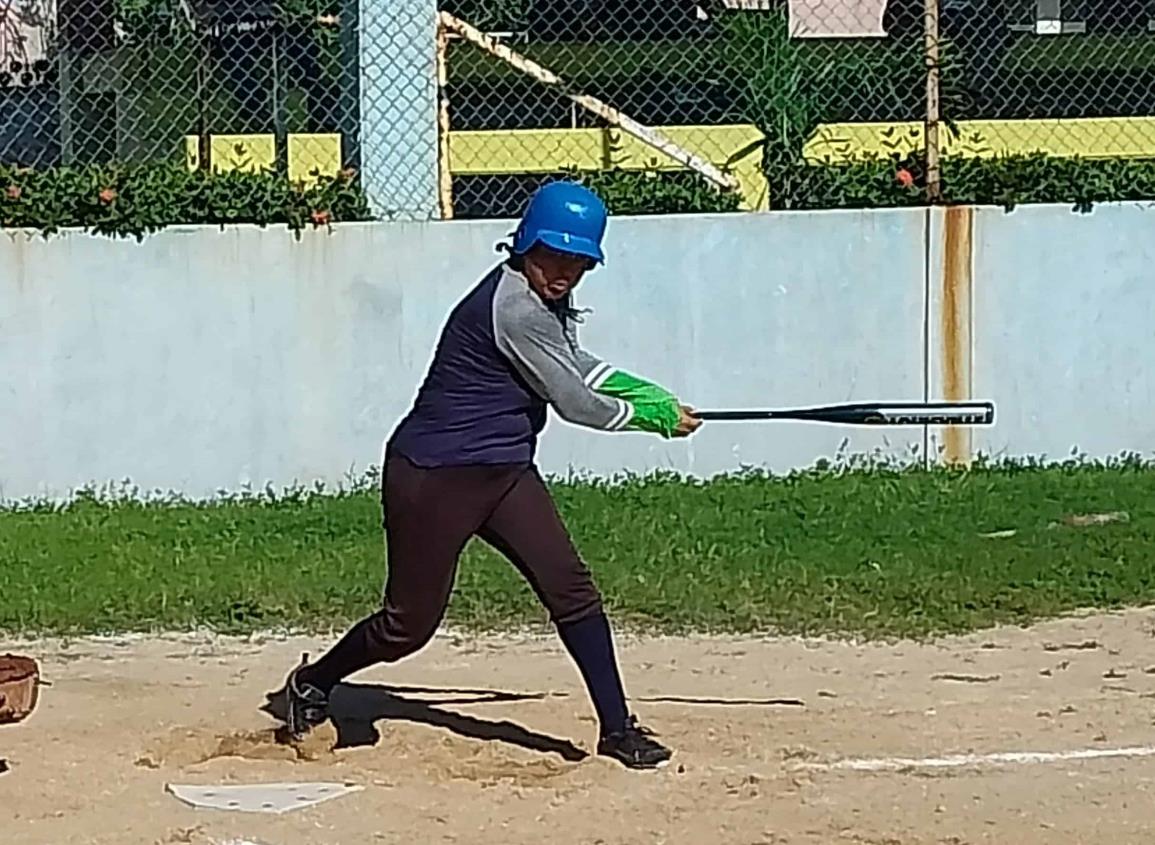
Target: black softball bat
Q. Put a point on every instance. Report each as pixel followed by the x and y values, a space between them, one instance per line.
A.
pixel 871 413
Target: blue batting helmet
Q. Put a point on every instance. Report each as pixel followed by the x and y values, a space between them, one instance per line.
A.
pixel 566 217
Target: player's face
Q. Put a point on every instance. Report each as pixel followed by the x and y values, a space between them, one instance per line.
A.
pixel 554 274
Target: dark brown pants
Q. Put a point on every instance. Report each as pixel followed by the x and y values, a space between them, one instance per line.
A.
pixel 430 515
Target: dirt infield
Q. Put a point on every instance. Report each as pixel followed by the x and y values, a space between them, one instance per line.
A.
pixel 487 740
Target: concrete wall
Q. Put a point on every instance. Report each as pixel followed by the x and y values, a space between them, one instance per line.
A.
pixel 1065 330
pixel 202 360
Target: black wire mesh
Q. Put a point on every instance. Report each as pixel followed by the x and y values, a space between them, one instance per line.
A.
pixel 1051 76
pixel 763 90
pixel 168 80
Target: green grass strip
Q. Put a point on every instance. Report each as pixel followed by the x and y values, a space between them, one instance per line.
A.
pixel 875 552
pixel 1082 52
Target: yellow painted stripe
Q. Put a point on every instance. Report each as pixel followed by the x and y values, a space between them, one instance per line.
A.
pixel 501 152
pixel 1108 137
pixel 308 154
pixel 313 154
pixel 496 152
pixel 525 151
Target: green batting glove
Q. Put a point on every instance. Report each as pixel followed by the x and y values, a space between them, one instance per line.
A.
pixel 656 410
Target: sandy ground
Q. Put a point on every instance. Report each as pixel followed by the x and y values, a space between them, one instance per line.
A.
pixel 487 741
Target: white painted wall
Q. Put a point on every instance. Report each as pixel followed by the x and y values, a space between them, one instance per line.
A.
pixel 1065 330
pixel 201 360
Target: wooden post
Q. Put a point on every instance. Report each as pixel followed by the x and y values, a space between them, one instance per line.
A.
pixel 204 78
pixel 444 175
pixel 933 171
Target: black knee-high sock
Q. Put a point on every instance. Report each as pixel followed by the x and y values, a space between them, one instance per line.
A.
pixel 352 653
pixel 591 646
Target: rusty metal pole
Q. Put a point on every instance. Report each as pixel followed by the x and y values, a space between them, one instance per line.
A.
pixel 931 133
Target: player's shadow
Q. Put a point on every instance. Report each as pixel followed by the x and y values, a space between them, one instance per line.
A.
pixel 354 710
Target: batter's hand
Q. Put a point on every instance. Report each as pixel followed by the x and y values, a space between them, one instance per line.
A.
pixel 687 422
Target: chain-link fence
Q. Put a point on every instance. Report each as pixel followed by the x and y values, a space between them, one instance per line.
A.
pixel 461 110
pixel 740 86
pixel 1065 77
pixel 240 83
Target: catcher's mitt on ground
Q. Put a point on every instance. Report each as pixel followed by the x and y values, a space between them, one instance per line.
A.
pixel 19 687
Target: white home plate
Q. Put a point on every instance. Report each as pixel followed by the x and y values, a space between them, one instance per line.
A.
pixel 259 797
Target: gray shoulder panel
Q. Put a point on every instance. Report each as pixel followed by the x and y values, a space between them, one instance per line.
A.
pixel 548 358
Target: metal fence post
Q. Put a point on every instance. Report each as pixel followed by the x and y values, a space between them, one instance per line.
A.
pixel 398 138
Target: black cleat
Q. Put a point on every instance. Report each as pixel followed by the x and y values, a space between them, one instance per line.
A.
pixel 634 747
pixel 306 706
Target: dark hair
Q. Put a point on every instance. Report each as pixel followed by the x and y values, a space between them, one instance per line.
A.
pixel 513 260
pixel 565 310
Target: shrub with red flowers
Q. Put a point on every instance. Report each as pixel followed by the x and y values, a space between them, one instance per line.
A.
pixel 136 200
pixel 1003 181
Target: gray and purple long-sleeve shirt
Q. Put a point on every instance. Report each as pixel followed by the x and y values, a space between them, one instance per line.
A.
pixel 503 358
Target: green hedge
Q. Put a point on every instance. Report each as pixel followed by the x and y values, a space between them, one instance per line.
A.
pixel 129 201
pixel 1006 181
pixel 133 201
pixel 634 192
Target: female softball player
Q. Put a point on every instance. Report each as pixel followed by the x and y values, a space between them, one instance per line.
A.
pixel 461 464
